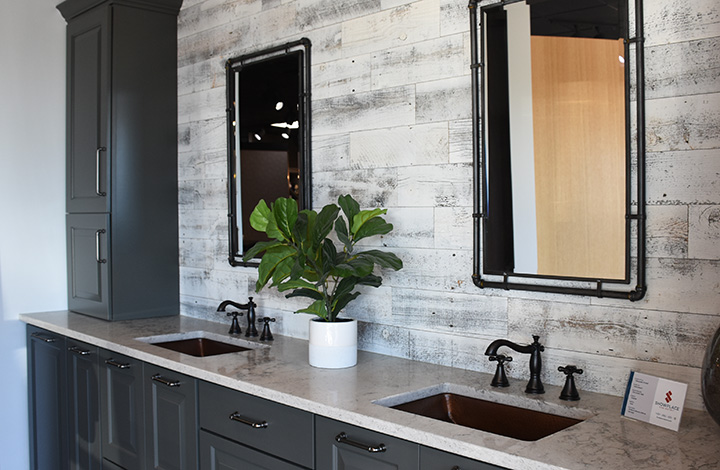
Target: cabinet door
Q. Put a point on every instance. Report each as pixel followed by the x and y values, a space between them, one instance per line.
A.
pixel 340 446
pixel 83 406
pixel 88 238
pixel 217 453
pixel 433 459
pixel 88 158
pixel 46 398
pixel 121 410
pixel 170 419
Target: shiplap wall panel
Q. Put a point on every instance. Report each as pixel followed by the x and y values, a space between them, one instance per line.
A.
pixel 392 126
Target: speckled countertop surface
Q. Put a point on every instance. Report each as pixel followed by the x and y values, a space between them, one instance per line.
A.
pixel 281 373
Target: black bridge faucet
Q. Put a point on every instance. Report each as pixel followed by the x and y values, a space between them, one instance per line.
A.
pixel 250 307
pixel 535 385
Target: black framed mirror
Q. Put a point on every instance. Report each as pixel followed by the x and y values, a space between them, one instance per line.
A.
pixel 268 136
pixel 559 146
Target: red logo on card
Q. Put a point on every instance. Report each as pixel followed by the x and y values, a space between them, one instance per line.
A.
pixel 668 397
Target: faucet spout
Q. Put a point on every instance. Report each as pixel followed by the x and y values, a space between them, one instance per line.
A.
pixel 250 307
pixel 534 385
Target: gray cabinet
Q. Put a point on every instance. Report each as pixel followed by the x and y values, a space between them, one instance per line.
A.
pixel 281 431
pixel 170 419
pixel 341 446
pixel 122 410
pixel 47 395
pixel 433 459
pixel 122 157
pixel 83 393
pixel 217 453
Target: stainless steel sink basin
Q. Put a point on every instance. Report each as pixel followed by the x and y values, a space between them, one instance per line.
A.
pixel 201 343
pixel 451 406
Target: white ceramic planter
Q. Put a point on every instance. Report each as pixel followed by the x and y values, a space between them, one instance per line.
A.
pixel 333 345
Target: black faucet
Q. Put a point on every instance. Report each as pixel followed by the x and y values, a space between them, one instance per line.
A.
pixel 250 307
pixel 535 385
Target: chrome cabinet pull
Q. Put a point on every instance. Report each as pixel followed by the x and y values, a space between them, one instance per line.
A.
pixel 119 365
pixel 97 171
pixel 343 439
pixel 80 351
pixel 41 337
pixel 170 383
pixel 236 417
pixel 97 246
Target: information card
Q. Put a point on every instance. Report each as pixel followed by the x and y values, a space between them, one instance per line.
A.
pixel 654 400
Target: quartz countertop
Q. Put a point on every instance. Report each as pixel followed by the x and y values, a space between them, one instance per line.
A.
pixel 281 373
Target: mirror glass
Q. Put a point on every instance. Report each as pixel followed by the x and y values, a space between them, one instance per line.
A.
pixel 268 136
pixel 553 151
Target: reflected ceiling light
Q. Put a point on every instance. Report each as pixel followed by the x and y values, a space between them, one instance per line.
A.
pixel 279 105
pixel 285 135
pixel 621 59
pixel 285 125
pixel 257 136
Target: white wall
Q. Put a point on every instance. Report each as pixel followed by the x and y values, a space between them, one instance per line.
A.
pixel 391 124
pixel 32 196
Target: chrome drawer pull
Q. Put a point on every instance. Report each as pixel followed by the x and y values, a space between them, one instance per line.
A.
pixel 236 417
pixel 43 338
pixel 164 381
pixel 343 439
pixel 97 171
pixel 119 365
pixel 80 351
pixel 97 246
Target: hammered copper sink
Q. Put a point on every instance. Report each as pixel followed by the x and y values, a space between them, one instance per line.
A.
pixel 497 418
pixel 201 347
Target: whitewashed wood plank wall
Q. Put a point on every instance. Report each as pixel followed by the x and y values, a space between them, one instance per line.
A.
pixel 391 110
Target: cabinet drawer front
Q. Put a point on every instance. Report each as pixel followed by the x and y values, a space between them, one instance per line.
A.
pixel 262 424
pixel 433 459
pixel 359 448
pixel 217 453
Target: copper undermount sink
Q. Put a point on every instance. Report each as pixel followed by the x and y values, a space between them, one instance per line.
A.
pixel 201 343
pixel 506 420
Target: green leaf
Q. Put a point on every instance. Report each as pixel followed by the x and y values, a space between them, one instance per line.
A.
pixel 260 215
pixel 370 280
pixel 282 270
pixel 350 206
pixel 359 267
pixel 374 226
pixel 316 308
pixel 311 293
pixel 270 261
pixel 324 224
pixel 362 217
pixel 329 253
pixel 272 231
pixel 342 233
pixel 296 284
pixel 384 259
pixel 341 303
pixel 285 212
pixel 259 247
pixel 346 285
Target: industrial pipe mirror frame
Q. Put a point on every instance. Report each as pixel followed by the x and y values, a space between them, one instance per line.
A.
pixel 634 205
pixel 293 56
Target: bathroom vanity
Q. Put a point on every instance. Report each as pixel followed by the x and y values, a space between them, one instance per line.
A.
pixel 266 406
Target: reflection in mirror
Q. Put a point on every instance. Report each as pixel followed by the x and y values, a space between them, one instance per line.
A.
pixel 268 109
pixel 553 179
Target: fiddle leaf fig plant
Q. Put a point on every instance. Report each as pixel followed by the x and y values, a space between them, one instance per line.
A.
pixel 300 257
